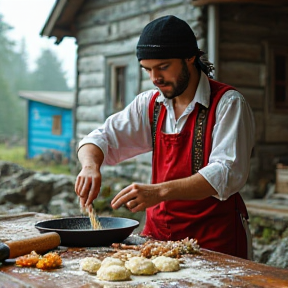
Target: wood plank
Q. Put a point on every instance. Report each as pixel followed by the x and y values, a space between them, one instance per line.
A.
pixel 142 5
pixel 124 46
pixel 90 97
pixel 91 80
pixel 114 31
pixel 276 128
pixel 276 134
pixel 95 15
pixel 83 128
pixel 278 119
pixel 93 63
pixel 242 74
pixel 92 4
pixel 91 113
pixel 241 51
pixel 259 125
pixel 180 11
pixel 260 2
pixel 232 31
pixel 254 96
pixel 265 15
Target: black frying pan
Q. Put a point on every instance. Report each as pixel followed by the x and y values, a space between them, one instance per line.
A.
pixel 77 232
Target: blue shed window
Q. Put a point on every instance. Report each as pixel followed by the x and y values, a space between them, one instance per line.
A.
pixel 57 125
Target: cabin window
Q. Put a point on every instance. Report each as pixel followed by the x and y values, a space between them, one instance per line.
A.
pixel 57 125
pixel 280 79
pixel 121 82
pixel 118 82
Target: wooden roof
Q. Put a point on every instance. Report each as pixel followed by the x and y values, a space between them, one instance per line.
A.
pixel 53 98
pixel 60 22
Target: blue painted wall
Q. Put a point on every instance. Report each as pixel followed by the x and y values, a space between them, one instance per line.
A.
pixel 40 137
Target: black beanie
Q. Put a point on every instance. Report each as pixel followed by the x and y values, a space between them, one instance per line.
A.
pixel 166 38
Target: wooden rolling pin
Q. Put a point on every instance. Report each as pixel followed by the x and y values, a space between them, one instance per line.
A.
pixel 40 244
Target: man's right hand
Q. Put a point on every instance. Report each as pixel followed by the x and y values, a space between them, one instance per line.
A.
pixel 88 182
pixel 87 185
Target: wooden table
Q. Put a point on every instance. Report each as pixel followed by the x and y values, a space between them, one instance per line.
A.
pixel 209 270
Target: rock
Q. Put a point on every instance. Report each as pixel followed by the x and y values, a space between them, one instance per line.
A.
pixel 9 168
pixel 64 183
pixel 279 256
pixel 262 252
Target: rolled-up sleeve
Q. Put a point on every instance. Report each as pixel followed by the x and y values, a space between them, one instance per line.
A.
pixel 232 143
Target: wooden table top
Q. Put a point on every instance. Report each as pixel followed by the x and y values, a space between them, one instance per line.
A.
pixel 208 269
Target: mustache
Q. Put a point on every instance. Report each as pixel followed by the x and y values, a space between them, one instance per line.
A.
pixel 159 82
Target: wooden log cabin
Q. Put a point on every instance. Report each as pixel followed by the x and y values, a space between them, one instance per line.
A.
pixel 247 40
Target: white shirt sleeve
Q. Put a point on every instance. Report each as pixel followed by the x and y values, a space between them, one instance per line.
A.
pixel 232 143
pixel 124 134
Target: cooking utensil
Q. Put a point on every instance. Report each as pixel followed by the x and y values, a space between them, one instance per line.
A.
pixel 77 232
pixel 40 244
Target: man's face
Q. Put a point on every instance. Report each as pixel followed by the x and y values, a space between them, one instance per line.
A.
pixel 171 76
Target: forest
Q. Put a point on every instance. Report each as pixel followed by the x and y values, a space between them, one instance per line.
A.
pixel 16 76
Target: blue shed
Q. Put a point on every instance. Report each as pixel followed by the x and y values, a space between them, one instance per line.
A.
pixel 49 122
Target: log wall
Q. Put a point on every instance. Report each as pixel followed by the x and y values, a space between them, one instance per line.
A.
pixel 246 33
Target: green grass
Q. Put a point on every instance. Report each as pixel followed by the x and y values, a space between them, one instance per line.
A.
pixel 17 155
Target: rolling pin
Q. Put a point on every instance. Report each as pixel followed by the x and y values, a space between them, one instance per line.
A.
pixel 40 244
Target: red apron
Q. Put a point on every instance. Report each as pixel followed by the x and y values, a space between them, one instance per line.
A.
pixel 215 224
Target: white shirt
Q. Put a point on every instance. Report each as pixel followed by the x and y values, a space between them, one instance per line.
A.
pixel 128 133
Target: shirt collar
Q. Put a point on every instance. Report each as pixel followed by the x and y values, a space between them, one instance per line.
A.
pixel 202 95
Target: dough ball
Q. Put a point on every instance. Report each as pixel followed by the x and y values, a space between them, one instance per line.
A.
pixel 108 261
pixel 141 266
pixel 166 264
pixel 90 264
pixel 113 273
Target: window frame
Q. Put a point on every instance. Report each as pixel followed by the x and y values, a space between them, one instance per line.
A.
pixel 116 104
pixel 132 80
pixel 57 125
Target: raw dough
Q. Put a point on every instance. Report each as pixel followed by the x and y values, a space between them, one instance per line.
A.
pixel 90 264
pixel 141 266
pixel 166 264
pixel 108 261
pixel 113 273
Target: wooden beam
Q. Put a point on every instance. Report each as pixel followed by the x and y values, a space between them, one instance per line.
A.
pixel 260 2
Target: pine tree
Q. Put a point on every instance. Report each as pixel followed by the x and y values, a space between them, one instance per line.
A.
pixel 11 116
pixel 48 75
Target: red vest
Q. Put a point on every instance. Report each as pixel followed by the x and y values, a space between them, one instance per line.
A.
pixel 215 224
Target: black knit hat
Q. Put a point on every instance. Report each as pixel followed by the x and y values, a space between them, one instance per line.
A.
pixel 166 38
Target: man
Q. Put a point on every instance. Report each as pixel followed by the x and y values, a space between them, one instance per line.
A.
pixel 202 137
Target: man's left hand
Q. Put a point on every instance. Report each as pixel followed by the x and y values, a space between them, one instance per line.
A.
pixel 137 197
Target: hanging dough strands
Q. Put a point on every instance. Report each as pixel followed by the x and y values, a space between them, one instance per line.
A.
pixel 95 223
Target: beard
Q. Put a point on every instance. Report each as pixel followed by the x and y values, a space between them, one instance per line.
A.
pixel 181 83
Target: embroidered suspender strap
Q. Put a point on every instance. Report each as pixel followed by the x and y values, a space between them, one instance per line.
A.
pixel 154 109
pixel 204 126
pixel 217 90
pixel 197 147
